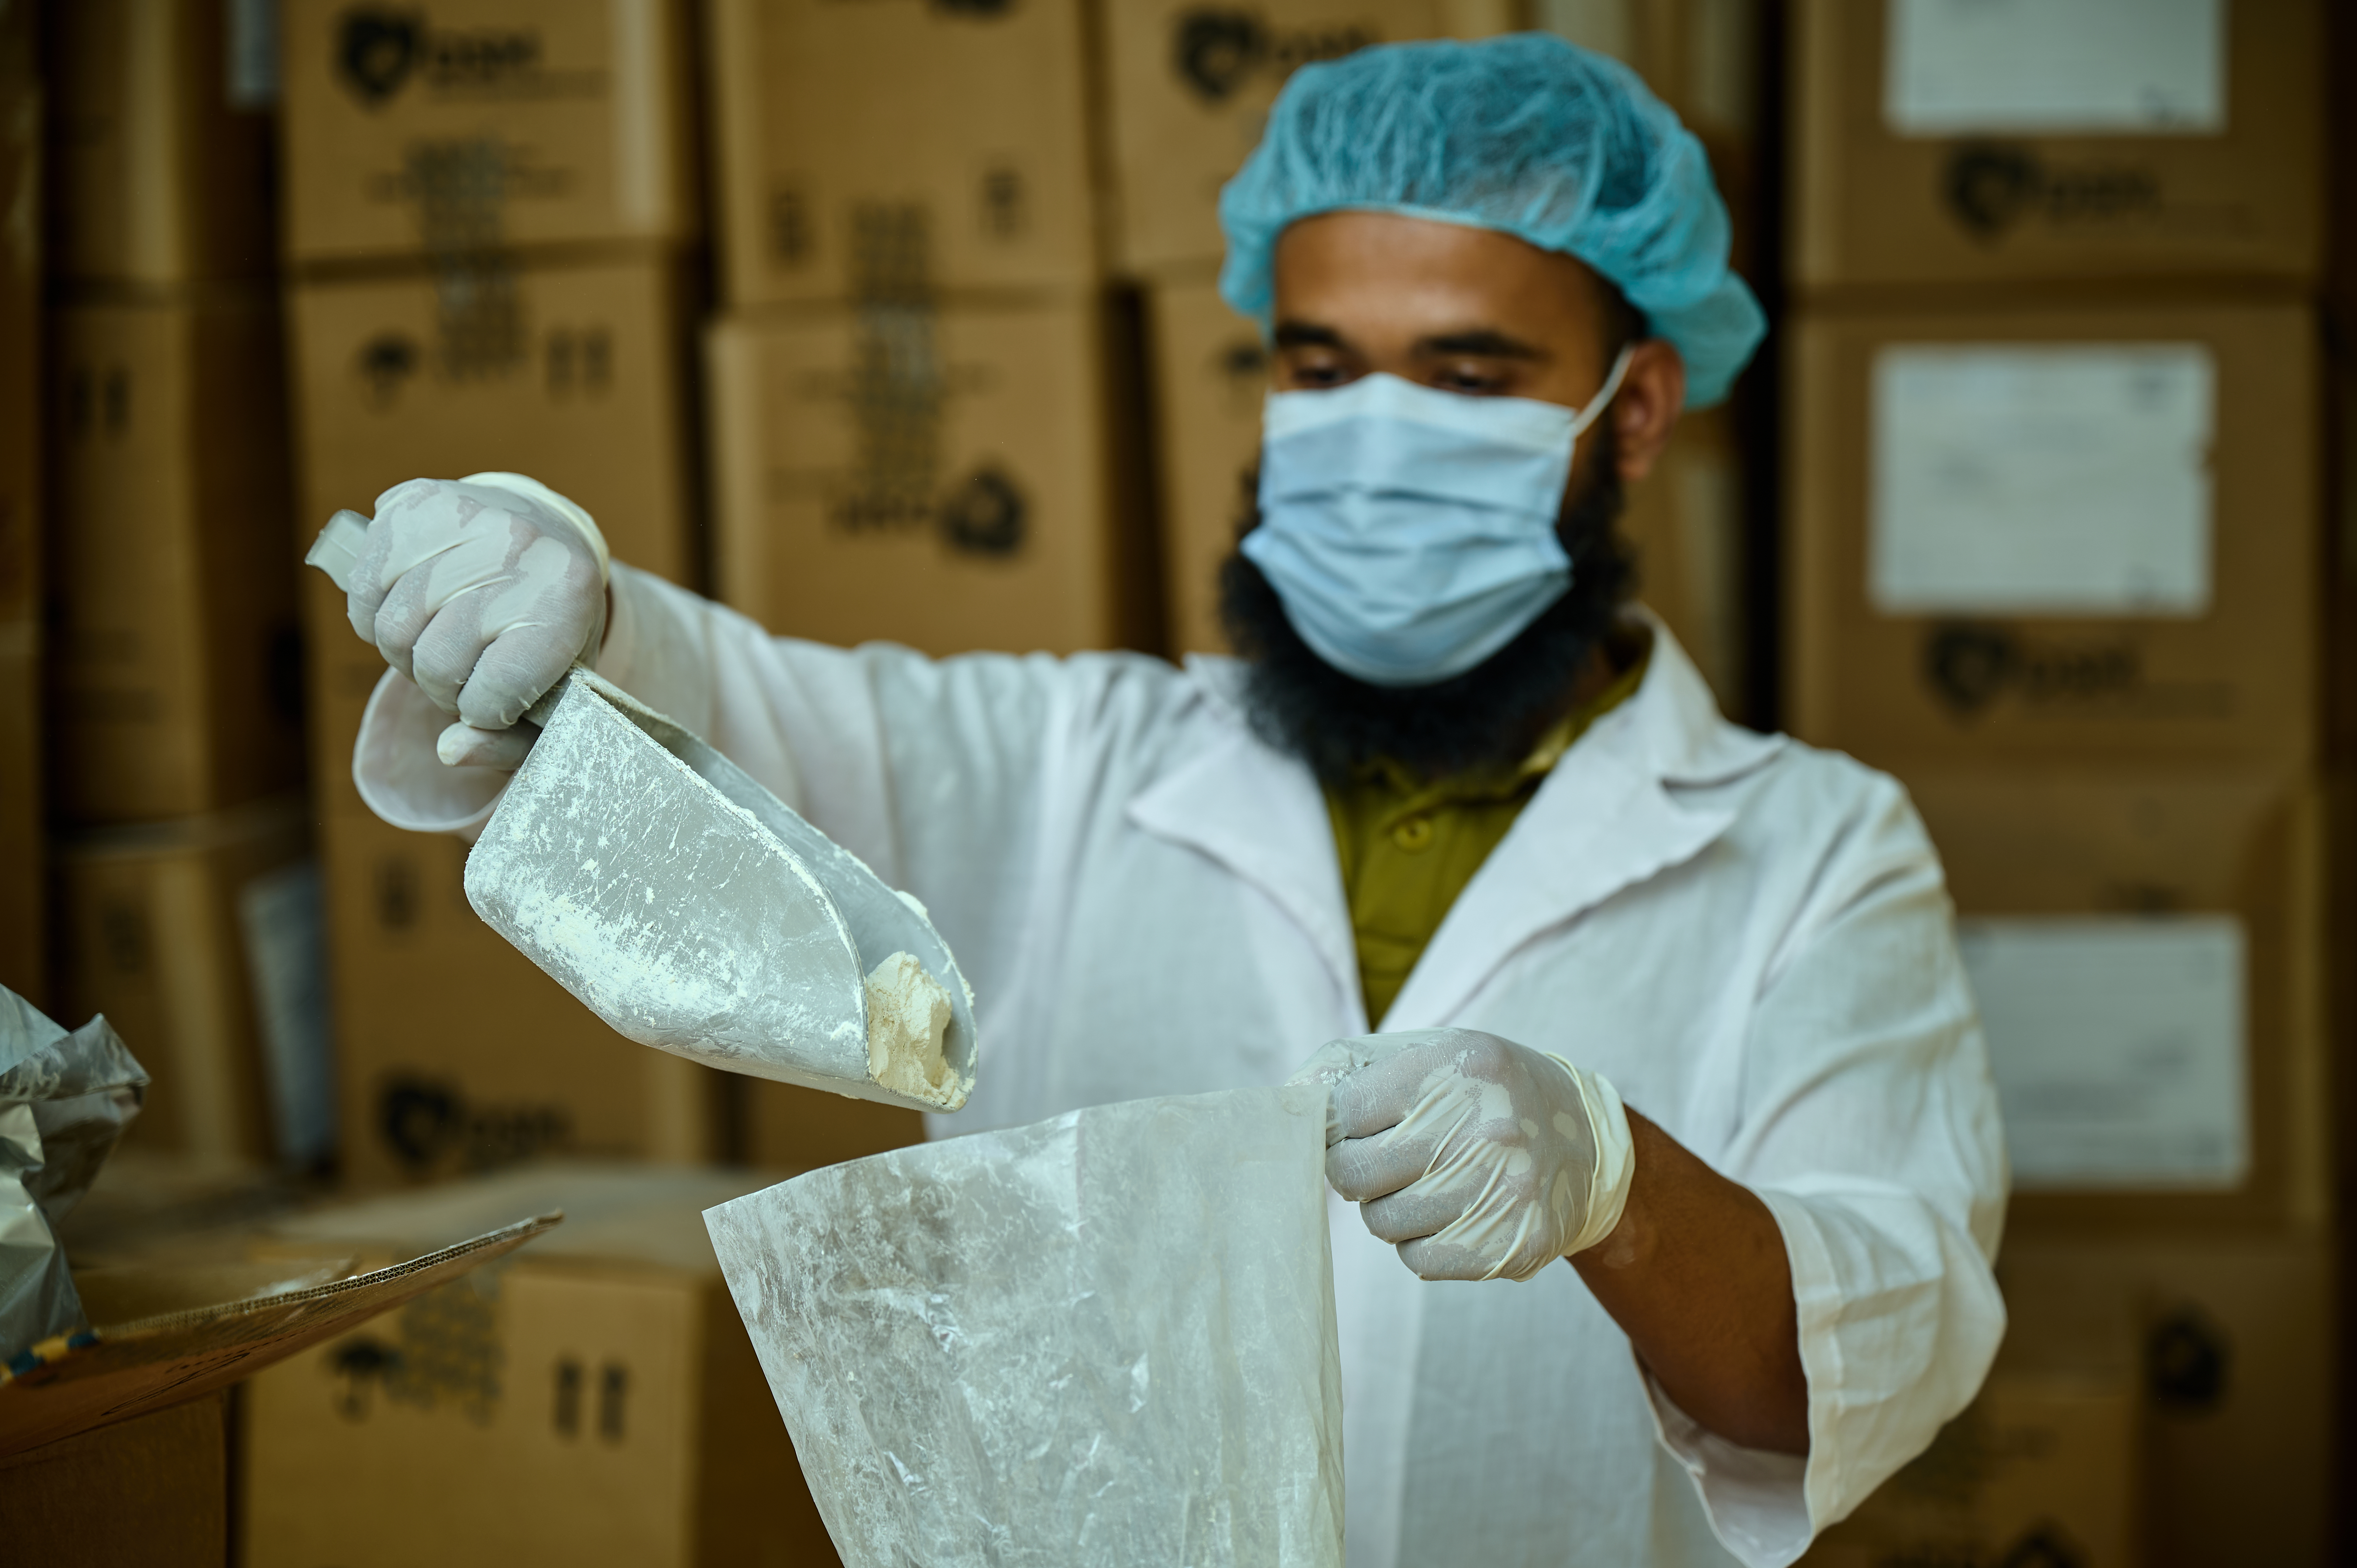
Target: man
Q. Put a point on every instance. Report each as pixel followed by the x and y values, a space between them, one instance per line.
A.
pixel 1672 1000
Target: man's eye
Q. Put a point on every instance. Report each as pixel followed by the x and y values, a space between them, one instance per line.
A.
pixel 1471 382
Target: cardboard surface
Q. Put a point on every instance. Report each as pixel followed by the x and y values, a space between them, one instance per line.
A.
pixel 595 1400
pixel 2237 1349
pixel 573 374
pixel 2164 844
pixel 2005 204
pixel 24 851
pixel 150 925
pixel 459 127
pixel 945 479
pixel 2041 1468
pixel 150 1490
pixel 129 1370
pixel 899 148
pixel 787 1126
pixel 2237 681
pixel 164 158
pixel 174 662
pixel 24 948
pixel 1211 376
pixel 1187 89
pixel 21 100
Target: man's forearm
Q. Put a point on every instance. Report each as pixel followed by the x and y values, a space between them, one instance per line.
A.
pixel 1695 1276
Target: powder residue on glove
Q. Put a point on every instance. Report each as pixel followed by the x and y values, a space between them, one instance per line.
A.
pixel 908 1013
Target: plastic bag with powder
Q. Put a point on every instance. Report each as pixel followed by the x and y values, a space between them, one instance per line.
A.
pixel 1108 1338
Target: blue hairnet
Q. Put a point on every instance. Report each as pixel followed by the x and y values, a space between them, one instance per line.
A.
pixel 1527 134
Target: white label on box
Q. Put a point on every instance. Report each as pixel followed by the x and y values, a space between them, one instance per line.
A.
pixel 2055 67
pixel 2029 479
pixel 2118 1047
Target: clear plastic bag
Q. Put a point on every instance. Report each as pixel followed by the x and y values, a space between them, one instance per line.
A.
pixel 1108 1338
pixel 65 1097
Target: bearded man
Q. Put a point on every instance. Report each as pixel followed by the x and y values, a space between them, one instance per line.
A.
pixel 1653 1071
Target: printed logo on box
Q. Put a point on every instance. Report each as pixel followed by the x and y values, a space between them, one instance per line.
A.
pixel 1992 189
pixel 380 51
pixel 1217 51
pixel 1970 667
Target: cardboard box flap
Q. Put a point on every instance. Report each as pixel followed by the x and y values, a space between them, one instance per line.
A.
pixel 113 1373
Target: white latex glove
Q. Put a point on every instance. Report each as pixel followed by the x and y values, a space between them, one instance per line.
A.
pixel 484 591
pixel 1481 1159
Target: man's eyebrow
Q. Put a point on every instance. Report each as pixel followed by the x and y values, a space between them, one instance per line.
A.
pixel 1485 342
pixel 1307 335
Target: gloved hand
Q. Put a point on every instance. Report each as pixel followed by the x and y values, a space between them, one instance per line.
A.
pixel 484 591
pixel 1481 1159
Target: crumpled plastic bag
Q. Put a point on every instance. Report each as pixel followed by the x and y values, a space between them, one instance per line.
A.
pixel 1108 1338
pixel 65 1097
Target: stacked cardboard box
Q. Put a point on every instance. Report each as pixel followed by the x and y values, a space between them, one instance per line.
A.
pixel 2052 558
pixel 24 959
pixel 921 419
pixel 592 1399
pixel 172 672
pixel 490 214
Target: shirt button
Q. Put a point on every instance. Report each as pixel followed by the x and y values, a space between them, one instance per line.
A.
pixel 1413 835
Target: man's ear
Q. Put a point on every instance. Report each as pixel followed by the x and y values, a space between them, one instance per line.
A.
pixel 1652 395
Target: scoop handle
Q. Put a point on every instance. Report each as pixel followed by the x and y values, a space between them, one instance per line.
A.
pixel 337 550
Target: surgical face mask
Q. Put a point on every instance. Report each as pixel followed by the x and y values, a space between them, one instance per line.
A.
pixel 1409 532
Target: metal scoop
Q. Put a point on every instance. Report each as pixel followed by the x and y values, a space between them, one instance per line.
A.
pixel 685 904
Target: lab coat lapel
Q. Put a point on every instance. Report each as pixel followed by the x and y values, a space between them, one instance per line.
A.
pixel 1605 819
pixel 1260 815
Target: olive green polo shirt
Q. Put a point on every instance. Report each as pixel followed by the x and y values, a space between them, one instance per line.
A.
pixel 1408 848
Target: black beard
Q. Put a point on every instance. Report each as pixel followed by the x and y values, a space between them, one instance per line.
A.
pixel 1490 716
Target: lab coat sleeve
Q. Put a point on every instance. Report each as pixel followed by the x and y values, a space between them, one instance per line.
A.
pixel 1870 1129
pixel 926 769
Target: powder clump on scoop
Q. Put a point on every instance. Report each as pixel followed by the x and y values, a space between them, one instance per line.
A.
pixel 908 1013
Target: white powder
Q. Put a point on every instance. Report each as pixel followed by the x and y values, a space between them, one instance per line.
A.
pixel 908 1013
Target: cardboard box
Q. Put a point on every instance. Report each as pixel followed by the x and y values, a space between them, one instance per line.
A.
pixel 163 163
pixel 2147 948
pixel 23 912
pixel 20 319
pixel 1210 377
pixel 949 479
pixel 174 656
pixel 2057 534
pixel 2237 1342
pixel 899 148
pixel 594 1400
pixel 146 1491
pixel 461 127
pixel 175 931
pixel 24 948
pixel 2041 1468
pixel 2056 142
pixel 573 374
pixel 1188 87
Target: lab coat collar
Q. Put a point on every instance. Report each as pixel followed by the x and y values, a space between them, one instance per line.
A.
pixel 1606 818
pixel 1260 814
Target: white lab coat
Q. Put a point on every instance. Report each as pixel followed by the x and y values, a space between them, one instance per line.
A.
pixel 1749 938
